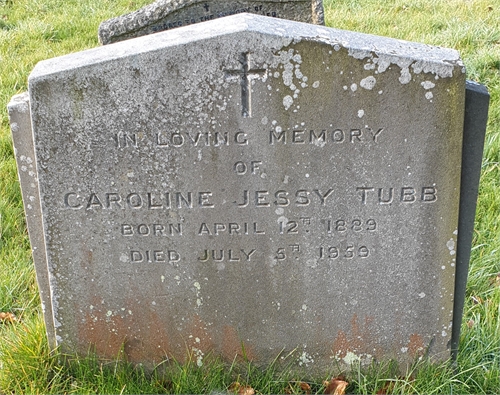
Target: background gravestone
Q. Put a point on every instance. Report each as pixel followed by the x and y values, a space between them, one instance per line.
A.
pixel 167 14
pixel 259 184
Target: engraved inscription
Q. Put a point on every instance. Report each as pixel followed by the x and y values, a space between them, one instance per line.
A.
pixel 242 168
pixel 125 140
pixel 348 251
pixel 276 137
pixel 154 256
pixel 407 194
pixel 245 75
pixel 174 227
pixel 288 227
pixel 136 201
pixel 246 198
pixel 283 253
pixel 231 228
pixel 229 255
pixel 210 14
pixel 177 139
pixel 355 225
pixel 282 198
pixel 152 230
pixel 323 137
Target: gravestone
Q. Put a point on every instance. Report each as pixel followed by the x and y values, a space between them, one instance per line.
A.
pixel 20 124
pixel 168 14
pixel 257 186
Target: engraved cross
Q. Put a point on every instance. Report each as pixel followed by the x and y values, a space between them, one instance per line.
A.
pixel 245 75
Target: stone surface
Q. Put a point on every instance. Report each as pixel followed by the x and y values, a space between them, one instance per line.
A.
pixel 167 14
pixel 476 116
pixel 259 184
pixel 20 124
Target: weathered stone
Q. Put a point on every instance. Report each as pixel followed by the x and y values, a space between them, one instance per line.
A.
pixel 169 14
pixel 24 151
pixel 256 183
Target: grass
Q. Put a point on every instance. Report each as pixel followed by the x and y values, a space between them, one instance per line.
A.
pixel 32 30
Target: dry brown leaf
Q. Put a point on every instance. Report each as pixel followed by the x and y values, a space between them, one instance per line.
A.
pixel 305 387
pixel 246 390
pixel 7 317
pixel 336 386
pixel 234 387
pixel 386 389
pixel 294 386
pixel 239 389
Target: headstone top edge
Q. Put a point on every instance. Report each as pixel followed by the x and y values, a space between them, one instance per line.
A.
pixel 19 102
pixel 477 87
pixel 434 59
pixel 162 8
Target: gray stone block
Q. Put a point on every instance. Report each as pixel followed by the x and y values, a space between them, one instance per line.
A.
pixel 24 151
pixel 260 184
pixel 170 14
